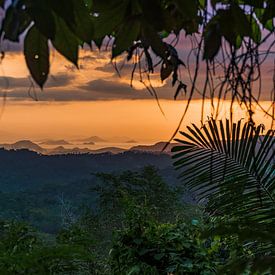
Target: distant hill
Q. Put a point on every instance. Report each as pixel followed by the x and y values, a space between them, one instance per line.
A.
pixel 89 143
pixel 61 150
pixel 55 142
pixel 92 139
pixel 20 169
pixel 158 147
pixel 113 150
pixel 32 184
pixel 24 144
pixel 131 141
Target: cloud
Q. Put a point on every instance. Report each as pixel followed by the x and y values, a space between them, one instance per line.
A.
pixel 59 80
pixel 11 83
pixel 110 89
pixel 96 80
pixel 92 91
pixel 70 95
pixel 107 86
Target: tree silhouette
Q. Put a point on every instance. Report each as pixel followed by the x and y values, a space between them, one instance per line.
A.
pixel 227 40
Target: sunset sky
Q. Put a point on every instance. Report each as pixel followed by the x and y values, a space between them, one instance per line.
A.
pixel 93 100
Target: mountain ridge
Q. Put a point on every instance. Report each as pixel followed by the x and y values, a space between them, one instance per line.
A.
pixel 60 150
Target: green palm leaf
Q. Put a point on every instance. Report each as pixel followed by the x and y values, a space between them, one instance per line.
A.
pixel 231 167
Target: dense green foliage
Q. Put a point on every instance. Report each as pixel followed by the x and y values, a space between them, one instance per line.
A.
pixel 141 226
pixel 146 246
pixel 23 252
pixel 154 232
pixel 41 196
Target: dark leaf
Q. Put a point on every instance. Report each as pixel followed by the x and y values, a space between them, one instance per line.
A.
pixel 2 3
pixel 152 39
pixel 256 33
pixel 98 41
pixel 65 41
pixel 166 69
pixel 84 26
pixel 153 14
pixel 174 77
pixel 212 41
pixel 43 18
pixel 100 6
pixel 131 51
pixel 149 60
pixel 14 23
pixel 88 3
pixel 125 37
pixel 110 19
pixel 36 51
pixel 77 16
pixel 64 9
pixel 269 12
pixel 181 86
pixel 188 8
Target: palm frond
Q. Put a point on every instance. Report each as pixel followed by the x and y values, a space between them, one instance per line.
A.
pixel 231 166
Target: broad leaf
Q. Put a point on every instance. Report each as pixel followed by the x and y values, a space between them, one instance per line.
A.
pixel 77 17
pixel 43 18
pixel 65 41
pixel 212 40
pixel 2 3
pixel 110 19
pixel 36 51
pixel 151 38
pixel 125 37
pixel 14 23
pixel 166 69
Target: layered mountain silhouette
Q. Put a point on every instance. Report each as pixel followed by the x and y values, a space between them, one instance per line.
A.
pixel 60 150
pixel 55 142
pixel 89 143
pixel 158 147
pixel 24 144
pixel 93 139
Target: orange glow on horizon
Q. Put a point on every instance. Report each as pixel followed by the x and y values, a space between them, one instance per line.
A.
pixel 137 119
pixel 55 117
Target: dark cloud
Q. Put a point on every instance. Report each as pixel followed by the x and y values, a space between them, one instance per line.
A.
pixel 105 86
pixel 92 91
pixel 58 80
pixel 72 95
pixel 13 82
pixel 116 90
pixel 99 89
pixel 113 90
pixel 124 69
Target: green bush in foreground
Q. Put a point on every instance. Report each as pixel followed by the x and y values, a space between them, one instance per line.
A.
pixel 23 252
pixel 149 247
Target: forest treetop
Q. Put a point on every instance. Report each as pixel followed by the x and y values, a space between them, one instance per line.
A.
pixel 226 38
